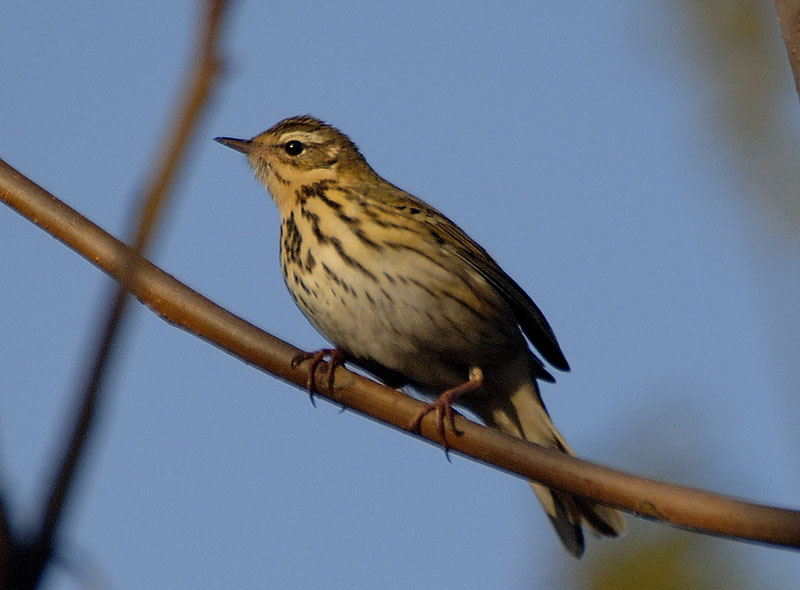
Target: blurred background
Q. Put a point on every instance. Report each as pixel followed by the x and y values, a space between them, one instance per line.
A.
pixel 634 167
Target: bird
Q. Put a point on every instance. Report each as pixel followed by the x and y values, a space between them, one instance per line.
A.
pixel 403 292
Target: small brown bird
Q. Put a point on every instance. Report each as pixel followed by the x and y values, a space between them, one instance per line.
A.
pixel 403 292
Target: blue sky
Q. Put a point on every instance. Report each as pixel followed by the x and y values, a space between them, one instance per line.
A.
pixel 581 145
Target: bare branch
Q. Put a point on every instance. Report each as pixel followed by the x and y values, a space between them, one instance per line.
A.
pixel 5 543
pixel 789 19
pixel 677 505
pixel 36 551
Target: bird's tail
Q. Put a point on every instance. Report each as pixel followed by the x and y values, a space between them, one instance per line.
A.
pixel 523 415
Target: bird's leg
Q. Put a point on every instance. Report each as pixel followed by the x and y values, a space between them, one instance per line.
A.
pixel 336 356
pixel 444 406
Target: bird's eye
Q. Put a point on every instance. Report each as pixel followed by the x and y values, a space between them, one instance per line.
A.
pixel 294 147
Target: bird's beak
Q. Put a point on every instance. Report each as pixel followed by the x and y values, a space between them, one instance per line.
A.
pixel 240 145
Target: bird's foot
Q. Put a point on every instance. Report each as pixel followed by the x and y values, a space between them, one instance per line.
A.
pixel 336 358
pixel 444 408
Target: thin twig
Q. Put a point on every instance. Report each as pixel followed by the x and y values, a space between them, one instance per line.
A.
pixel 680 506
pixel 6 546
pixel 166 168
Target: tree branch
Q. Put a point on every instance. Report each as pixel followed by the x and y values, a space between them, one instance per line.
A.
pixel 32 552
pixel 677 505
pixel 789 19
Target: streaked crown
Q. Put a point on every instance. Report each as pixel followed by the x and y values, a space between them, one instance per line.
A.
pixel 299 151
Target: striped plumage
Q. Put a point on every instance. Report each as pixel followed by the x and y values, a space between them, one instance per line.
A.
pixel 406 294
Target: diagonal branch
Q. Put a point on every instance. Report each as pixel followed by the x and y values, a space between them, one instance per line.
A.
pixel 35 552
pixel 677 505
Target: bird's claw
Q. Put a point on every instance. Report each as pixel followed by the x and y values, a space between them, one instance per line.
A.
pixel 444 412
pixel 336 357
pixel 444 409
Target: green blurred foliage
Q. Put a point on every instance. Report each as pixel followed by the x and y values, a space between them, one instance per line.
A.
pixel 738 54
pixel 735 58
pixel 672 561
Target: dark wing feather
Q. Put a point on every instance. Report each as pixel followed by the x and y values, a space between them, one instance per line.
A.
pixel 451 237
pixel 530 317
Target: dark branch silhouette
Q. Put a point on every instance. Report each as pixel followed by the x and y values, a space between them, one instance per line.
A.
pixel 27 557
